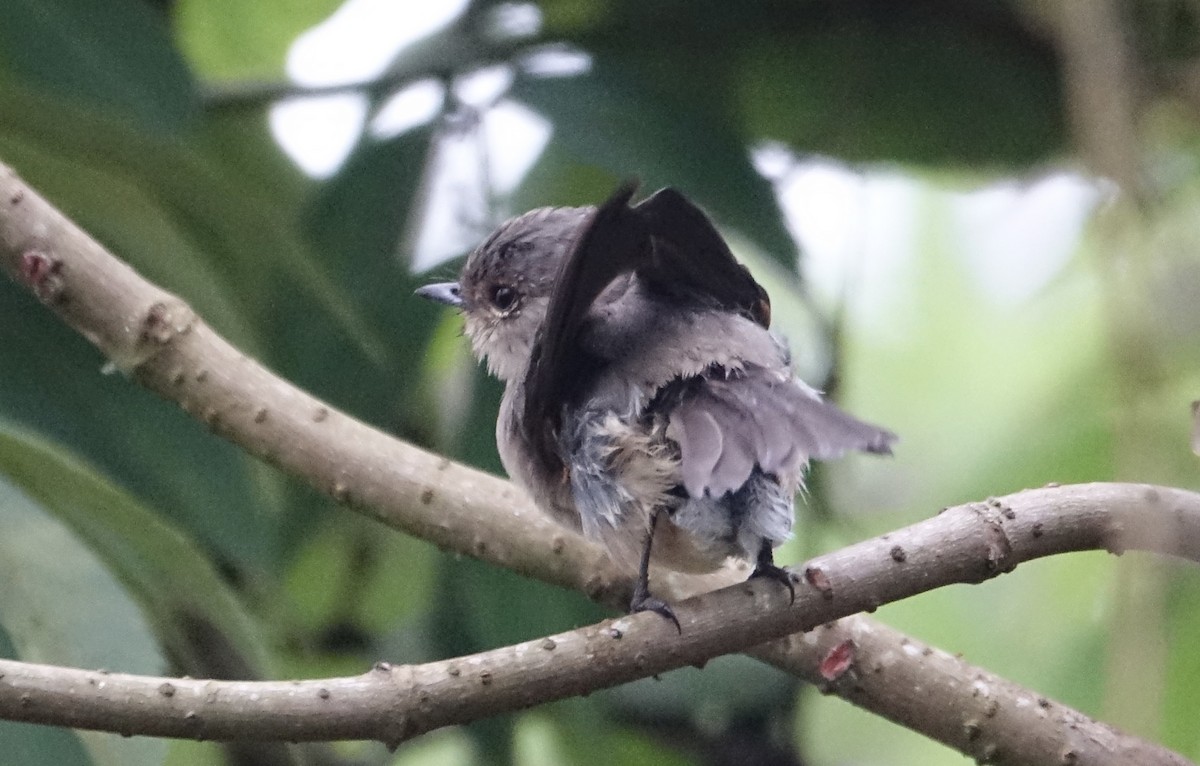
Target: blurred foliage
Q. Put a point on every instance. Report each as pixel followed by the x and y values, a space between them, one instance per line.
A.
pixel 135 540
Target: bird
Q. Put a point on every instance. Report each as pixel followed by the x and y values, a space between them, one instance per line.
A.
pixel 646 402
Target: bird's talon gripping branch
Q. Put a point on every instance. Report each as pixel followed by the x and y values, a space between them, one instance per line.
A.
pixel 647 603
pixel 767 568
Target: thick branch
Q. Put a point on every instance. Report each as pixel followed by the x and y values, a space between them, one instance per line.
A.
pixel 156 338
pixel 988 717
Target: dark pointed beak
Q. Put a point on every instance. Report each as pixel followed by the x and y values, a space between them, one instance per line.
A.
pixel 443 292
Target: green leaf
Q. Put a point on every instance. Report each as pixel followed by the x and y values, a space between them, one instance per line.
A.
pixel 204 230
pixel 190 607
pixel 111 54
pixel 164 457
pixel 61 605
pixel 354 573
pixel 357 220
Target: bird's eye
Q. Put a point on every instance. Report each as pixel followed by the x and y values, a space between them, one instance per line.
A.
pixel 503 297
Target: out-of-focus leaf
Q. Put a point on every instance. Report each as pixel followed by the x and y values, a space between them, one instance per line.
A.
pixel 60 605
pixel 834 731
pixel 932 82
pixel 113 55
pixel 458 47
pixel 500 608
pixel 575 732
pixel 438 748
pixel 242 149
pixel 356 222
pixel 1182 695
pixel 187 602
pixel 28 743
pixel 165 457
pixel 561 177
pixel 226 39
pixel 611 118
pixel 182 752
pixel 184 216
pixel 915 86
pixel 726 689
pixel 725 712
pixel 200 229
pixel 355 579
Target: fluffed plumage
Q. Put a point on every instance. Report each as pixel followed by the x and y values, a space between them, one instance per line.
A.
pixel 642 383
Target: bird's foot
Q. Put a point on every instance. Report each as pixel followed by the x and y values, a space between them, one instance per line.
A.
pixel 778 574
pixel 644 602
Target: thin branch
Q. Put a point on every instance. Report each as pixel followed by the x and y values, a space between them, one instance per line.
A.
pixel 157 339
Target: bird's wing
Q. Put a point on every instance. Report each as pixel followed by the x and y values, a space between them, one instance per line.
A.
pixel 673 248
pixel 691 259
pixel 727 426
pixel 613 241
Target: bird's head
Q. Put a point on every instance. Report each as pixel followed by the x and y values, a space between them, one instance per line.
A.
pixel 504 288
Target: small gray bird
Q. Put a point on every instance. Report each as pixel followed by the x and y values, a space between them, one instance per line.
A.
pixel 646 403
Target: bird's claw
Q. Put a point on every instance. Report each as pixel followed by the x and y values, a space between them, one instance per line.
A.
pixel 644 602
pixel 778 574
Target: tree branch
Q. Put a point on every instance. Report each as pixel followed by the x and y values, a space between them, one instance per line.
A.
pixel 980 714
pixel 156 338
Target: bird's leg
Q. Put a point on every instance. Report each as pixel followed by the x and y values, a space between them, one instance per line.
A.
pixel 766 567
pixel 642 600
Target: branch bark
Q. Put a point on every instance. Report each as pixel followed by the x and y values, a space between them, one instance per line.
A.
pixel 155 338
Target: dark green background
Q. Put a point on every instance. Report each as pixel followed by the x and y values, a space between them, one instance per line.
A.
pixel 133 539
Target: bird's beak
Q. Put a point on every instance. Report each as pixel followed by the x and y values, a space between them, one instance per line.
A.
pixel 443 292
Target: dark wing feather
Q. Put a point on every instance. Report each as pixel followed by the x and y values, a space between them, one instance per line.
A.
pixel 612 242
pixel 757 418
pixel 675 250
pixel 690 255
